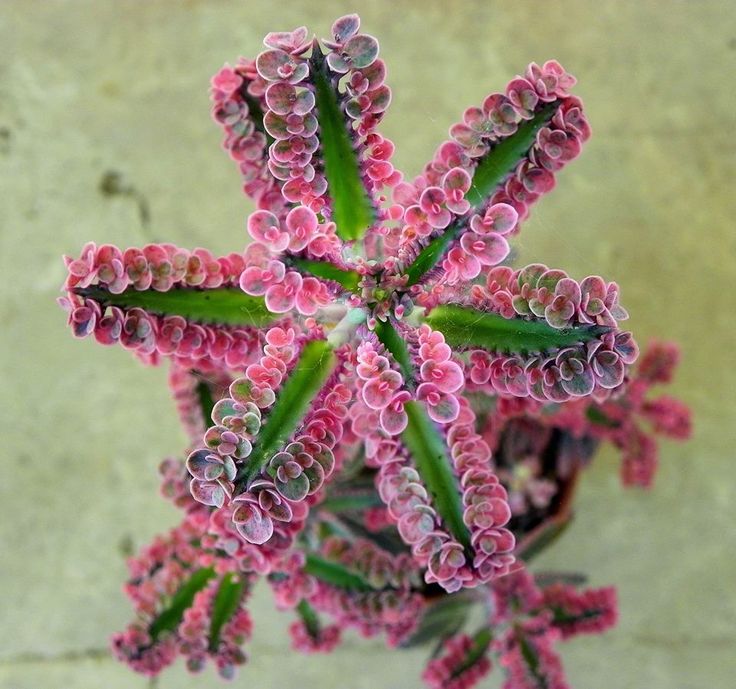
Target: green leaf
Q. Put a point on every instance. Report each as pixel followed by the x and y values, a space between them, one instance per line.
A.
pixel 481 642
pixel 335 574
pixel 429 452
pixel 500 161
pixel 596 416
pixel 543 536
pixel 352 500
pixel 395 344
pixel 431 254
pixel 351 207
pixel 222 305
pixel 349 279
pixel 255 112
pixel 443 619
pixel 310 618
pixel 491 171
pixel 563 618
pixel 465 327
pixel 316 363
pixel 426 444
pixel 530 657
pixel 227 600
pixel 206 402
pixel 353 526
pixel 169 619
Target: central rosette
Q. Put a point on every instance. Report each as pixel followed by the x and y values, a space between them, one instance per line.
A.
pixel 383 293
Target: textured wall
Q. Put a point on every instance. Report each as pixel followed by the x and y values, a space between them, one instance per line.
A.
pixel 92 87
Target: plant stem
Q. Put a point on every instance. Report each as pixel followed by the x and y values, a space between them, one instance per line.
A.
pixel 346 328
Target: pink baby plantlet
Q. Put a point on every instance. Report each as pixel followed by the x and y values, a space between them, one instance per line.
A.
pixel 379 411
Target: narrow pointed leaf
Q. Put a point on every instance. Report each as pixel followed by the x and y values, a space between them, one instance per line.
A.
pixel 349 279
pixel 491 171
pixel 498 163
pixel 315 364
pixel 481 642
pixel 392 341
pixel 563 618
pixel 226 602
pixel 310 618
pixel 255 112
pixel 542 537
pixel 352 210
pixel 353 526
pixel 169 619
pixel 223 305
pixel 443 619
pixel 352 500
pixel 466 327
pixel 335 574
pixel 427 446
pixel 431 254
pixel 531 659
pixel 206 402
pixel 428 449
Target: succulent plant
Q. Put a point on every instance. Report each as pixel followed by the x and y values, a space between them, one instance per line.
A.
pixel 381 412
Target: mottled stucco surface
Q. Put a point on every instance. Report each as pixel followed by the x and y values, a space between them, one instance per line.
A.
pixel 92 87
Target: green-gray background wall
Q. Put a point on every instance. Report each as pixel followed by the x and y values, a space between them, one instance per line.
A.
pixel 90 87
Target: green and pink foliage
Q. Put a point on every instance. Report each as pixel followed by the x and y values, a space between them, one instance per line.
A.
pixel 379 410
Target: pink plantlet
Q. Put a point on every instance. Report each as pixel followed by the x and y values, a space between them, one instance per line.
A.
pixel 264 227
pixel 462 265
pixel 280 298
pixel 658 363
pixel 669 417
pixel 289 583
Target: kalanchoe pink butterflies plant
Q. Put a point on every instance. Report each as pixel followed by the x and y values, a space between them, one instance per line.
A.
pixel 380 412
